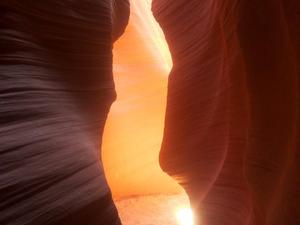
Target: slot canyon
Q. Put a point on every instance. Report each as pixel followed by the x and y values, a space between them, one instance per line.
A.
pixel 130 111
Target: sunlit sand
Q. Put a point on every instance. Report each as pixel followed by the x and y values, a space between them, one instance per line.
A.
pixel 155 210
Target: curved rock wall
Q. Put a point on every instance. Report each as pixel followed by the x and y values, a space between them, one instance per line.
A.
pixel 232 120
pixel 56 88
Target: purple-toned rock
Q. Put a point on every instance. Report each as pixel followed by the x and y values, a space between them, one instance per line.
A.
pixel 56 88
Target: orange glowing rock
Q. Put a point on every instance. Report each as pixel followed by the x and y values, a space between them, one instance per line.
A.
pixel 134 129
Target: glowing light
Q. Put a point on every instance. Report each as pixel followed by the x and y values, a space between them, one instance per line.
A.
pixel 185 216
pixel 151 31
pixel 141 66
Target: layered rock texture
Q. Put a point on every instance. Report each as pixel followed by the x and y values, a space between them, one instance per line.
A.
pixel 56 88
pixel 232 124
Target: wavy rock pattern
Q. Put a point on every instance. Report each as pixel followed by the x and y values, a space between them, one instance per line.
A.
pixel 56 88
pixel 232 124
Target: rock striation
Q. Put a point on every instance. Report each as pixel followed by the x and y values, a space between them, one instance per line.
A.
pixel 232 123
pixel 56 88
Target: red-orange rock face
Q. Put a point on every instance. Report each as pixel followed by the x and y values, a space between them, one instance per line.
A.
pixel 232 123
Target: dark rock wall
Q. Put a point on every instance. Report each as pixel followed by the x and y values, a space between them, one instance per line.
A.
pixel 56 88
pixel 232 123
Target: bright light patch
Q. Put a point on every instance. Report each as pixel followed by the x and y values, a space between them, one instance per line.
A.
pixel 185 216
pixel 151 31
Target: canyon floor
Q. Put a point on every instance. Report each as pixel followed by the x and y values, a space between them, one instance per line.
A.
pixel 151 210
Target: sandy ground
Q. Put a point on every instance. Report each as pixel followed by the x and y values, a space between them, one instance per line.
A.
pixel 151 210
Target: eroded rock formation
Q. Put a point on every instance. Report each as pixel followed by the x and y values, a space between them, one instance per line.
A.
pixel 56 88
pixel 232 123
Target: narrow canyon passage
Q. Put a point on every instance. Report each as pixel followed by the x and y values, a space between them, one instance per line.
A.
pixel 210 137
pixel 133 133
pixel 134 129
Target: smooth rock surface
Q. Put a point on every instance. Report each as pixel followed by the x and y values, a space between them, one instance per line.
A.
pixel 232 123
